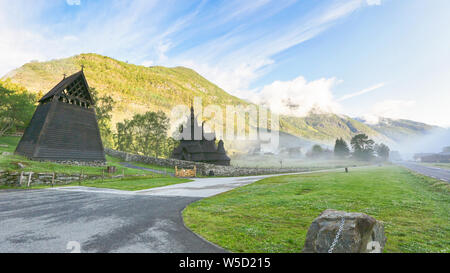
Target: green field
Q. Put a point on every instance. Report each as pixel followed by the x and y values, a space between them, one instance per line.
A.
pixel 131 183
pixel 9 163
pixel 273 215
pixel 154 167
pixel 307 164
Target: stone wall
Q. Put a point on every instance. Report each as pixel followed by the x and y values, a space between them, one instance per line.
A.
pixel 68 162
pixel 77 163
pixel 13 178
pixel 202 168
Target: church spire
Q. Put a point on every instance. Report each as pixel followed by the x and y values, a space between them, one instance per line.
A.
pixel 193 123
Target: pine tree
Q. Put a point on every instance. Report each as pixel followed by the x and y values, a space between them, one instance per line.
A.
pixel 363 147
pixel 382 151
pixel 341 148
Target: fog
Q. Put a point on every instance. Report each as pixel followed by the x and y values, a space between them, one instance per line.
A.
pixel 433 142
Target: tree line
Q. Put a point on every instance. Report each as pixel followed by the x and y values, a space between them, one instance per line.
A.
pixel 144 134
pixel 16 107
pixel 361 148
pixel 147 134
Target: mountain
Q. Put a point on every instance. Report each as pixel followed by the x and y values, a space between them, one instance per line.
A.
pixel 326 126
pixel 401 130
pixel 138 89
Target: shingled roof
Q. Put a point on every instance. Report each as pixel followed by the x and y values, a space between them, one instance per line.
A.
pixel 65 83
pixel 64 126
pixel 201 150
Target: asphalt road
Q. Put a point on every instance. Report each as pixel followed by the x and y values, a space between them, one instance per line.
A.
pixel 47 220
pixel 434 172
pixel 105 220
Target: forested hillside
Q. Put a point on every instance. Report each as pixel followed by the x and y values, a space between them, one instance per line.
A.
pixel 138 89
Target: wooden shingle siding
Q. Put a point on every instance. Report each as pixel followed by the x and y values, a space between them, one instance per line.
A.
pixel 201 150
pixel 61 130
pixel 27 144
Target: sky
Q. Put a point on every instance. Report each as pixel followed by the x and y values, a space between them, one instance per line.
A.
pixel 362 58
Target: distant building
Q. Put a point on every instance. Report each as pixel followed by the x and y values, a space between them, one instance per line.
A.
pixel 198 146
pixel 443 157
pixel 291 152
pixel 436 158
pixel 295 151
pixel 418 157
pixel 64 126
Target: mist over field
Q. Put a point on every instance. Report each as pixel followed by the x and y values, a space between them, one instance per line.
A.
pixel 225 126
pixel 433 142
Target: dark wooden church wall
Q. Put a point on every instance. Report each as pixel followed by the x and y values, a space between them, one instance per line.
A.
pixel 71 132
pixel 28 142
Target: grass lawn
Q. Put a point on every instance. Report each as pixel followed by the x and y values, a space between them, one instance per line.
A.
pixel 150 180
pixel 160 168
pixel 9 163
pixel 11 143
pixel 273 161
pixel 274 214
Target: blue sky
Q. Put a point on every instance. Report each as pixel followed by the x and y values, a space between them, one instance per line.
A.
pixel 356 57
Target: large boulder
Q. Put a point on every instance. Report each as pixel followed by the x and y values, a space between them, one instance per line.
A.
pixel 360 233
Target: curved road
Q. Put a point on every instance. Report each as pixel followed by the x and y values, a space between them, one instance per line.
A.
pixel 433 172
pixel 104 220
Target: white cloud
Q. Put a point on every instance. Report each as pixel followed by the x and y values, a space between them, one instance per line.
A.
pixel 236 59
pixel 395 109
pixel 73 2
pixel 233 61
pixel 70 38
pixel 118 34
pixel 140 31
pixel 233 78
pixel 298 97
pixel 373 2
pixel 371 118
pixel 148 63
pixel 362 92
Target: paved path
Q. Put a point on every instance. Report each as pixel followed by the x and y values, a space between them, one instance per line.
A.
pixel 47 220
pixel 199 188
pixel 104 220
pixel 434 172
pixel 129 165
pixel 202 187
